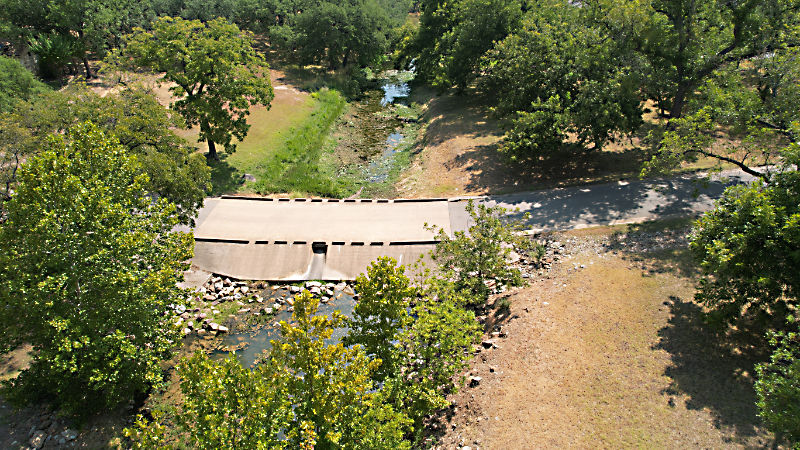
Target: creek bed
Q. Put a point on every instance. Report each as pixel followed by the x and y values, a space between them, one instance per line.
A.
pixel 249 340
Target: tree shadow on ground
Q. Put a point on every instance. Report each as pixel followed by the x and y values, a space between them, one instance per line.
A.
pixel 570 165
pixel 224 178
pixel 713 370
pixel 658 247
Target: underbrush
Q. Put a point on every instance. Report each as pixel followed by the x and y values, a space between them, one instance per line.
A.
pixel 296 167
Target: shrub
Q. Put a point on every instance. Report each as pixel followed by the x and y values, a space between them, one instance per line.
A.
pixel 381 312
pixel 778 386
pixel 749 249
pixel 471 259
pixel 304 394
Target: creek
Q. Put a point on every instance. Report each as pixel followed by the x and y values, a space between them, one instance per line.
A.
pixel 381 135
pixel 253 335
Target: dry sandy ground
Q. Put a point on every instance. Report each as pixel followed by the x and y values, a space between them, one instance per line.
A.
pixel 458 154
pixel 613 355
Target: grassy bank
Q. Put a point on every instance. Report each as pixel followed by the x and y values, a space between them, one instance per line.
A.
pixel 295 166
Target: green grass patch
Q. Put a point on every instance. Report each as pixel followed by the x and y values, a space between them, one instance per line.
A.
pixel 295 166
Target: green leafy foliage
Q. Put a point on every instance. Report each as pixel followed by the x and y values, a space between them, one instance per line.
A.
pixel 563 74
pixel 89 265
pixel 134 117
pixel 473 258
pixel 423 337
pixel 454 35
pixel 339 33
pixel 749 248
pixel 217 74
pixel 381 313
pixel 305 393
pixel 55 51
pixel 17 84
pixel 778 385
pixel 537 133
pixel 434 348
pixel 63 31
pixel 225 406
pixel 686 41
pixel 754 104
pixel 330 383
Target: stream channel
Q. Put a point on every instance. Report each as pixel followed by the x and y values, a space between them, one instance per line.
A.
pixel 252 335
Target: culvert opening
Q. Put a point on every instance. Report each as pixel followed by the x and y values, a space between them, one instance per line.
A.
pixel 319 248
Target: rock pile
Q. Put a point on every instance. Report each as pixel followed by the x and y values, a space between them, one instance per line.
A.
pixel 204 313
pixel 48 432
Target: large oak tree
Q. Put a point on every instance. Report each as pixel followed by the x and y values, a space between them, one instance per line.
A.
pixel 215 73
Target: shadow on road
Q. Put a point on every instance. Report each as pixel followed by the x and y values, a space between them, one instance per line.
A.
pixel 601 204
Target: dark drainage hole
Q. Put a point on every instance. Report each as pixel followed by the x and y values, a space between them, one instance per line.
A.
pixel 319 247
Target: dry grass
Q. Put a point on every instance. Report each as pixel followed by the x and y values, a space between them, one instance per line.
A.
pixel 460 154
pixel 614 355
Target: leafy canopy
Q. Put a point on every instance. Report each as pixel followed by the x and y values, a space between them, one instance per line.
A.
pixel 472 259
pixel 89 265
pixel 134 116
pixel 215 73
pixel 749 248
pixel 385 295
pixel 17 84
pixel 778 384
pixel 305 393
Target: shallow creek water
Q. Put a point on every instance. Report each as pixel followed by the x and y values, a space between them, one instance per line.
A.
pixel 256 337
pixel 395 90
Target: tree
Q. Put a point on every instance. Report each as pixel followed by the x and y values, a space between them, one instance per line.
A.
pixel 224 405
pixel 304 394
pixel 134 117
pixel 473 258
pixel 778 385
pixel 340 33
pixel 89 265
pixel 17 84
pixel 562 75
pixel 754 105
pixel 419 348
pixel 454 35
pixel 748 248
pixel 65 30
pixel 217 75
pixel 385 295
pixel 432 349
pixel 686 41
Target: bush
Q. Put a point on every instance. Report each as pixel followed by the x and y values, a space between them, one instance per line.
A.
pixel 778 386
pixel 303 394
pixel 749 249
pixel 88 268
pixel 421 346
pixel 536 134
pixel 474 258
pixel 381 313
pixel 432 350
pixel 16 83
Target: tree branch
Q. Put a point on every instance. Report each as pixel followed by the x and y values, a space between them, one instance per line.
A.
pixel 745 168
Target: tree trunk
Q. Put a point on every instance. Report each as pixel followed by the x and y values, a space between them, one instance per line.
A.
pixel 87 68
pixel 212 151
pixel 679 100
